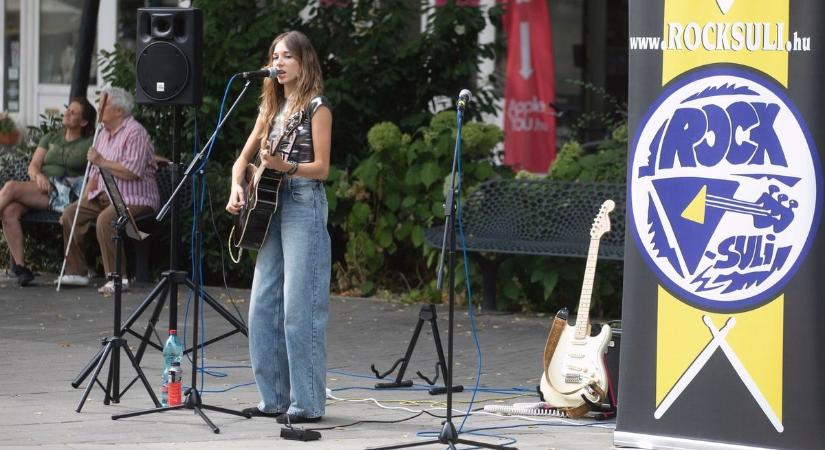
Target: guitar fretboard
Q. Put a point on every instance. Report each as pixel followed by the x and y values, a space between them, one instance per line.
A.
pixel 583 315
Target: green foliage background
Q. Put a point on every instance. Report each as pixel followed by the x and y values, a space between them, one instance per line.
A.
pixel 377 67
pixel 396 193
pixel 391 156
pixel 545 283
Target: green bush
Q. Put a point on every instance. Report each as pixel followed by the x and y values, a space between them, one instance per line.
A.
pixel 608 163
pixel 397 192
pixel 545 283
pixel 377 67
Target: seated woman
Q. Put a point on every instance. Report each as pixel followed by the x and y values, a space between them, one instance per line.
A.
pixel 56 173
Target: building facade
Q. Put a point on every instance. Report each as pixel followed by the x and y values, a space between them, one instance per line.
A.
pixel 38 44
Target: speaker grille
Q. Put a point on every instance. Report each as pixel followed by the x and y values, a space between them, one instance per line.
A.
pixel 162 71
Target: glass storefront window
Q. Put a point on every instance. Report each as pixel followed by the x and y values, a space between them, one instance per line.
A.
pixel 11 90
pixel 59 38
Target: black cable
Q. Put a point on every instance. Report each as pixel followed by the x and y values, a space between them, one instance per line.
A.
pixel 366 421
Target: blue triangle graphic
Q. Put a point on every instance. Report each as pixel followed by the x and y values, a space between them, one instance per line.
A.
pixel 675 194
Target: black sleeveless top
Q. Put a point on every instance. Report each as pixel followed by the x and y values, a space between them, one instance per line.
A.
pixel 302 150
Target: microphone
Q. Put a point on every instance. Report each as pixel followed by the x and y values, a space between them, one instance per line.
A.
pixel 269 72
pixel 464 97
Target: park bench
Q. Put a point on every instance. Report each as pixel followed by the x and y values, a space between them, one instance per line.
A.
pixel 145 222
pixel 534 217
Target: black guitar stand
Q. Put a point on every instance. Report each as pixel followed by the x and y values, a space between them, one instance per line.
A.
pixel 113 344
pixel 427 313
pixel 448 435
pixel 193 398
pixel 604 410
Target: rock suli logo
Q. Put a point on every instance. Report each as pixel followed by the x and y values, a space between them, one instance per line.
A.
pixel 725 189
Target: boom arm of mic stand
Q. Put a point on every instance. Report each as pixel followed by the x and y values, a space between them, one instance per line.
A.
pixel 165 209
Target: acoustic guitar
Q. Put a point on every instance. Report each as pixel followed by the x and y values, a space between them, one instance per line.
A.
pixel 261 194
pixel 576 365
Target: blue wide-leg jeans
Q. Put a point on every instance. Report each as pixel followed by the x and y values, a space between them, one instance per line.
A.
pixel 289 304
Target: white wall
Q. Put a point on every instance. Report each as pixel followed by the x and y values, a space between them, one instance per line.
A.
pixel 37 98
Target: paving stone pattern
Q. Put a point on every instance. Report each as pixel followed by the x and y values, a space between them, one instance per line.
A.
pixel 46 338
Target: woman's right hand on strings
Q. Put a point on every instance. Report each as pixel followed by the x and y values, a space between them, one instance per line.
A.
pixel 236 199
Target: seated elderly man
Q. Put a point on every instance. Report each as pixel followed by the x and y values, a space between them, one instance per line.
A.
pixel 124 149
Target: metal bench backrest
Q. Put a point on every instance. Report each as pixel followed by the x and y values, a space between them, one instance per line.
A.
pixel 544 216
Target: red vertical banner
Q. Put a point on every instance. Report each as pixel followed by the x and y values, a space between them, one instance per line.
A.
pixel 529 122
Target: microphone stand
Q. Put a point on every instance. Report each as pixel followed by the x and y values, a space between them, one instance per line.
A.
pixel 448 434
pixel 193 398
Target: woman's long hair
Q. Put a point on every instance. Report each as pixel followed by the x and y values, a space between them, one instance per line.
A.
pixel 89 115
pixel 310 80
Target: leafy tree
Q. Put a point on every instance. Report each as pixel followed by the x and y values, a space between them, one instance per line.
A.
pixel 377 67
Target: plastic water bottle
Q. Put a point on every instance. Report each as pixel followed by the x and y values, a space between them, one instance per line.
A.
pixel 172 353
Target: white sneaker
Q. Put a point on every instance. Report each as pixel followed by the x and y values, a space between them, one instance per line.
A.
pixel 72 280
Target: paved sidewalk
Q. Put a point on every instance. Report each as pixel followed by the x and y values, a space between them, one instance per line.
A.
pixel 46 338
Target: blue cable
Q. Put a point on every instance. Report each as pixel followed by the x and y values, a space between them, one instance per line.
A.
pixel 544 424
pixel 197 206
pixel 466 275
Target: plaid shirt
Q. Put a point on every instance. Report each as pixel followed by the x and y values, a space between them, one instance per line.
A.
pixel 131 146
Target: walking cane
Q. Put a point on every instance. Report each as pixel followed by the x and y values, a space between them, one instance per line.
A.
pixel 103 99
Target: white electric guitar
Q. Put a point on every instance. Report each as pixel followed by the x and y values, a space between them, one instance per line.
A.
pixel 577 362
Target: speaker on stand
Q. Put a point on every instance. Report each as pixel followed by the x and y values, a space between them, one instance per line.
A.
pixel 169 56
pixel 168 71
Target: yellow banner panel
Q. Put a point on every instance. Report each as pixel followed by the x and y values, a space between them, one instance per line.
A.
pixel 752 33
pixel 685 340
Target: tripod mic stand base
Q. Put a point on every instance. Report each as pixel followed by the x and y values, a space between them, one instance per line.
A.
pixel 193 402
pixel 449 437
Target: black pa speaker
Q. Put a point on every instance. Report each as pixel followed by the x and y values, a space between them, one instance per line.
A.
pixel 168 56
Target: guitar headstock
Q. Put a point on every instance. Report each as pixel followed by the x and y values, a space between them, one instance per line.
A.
pixel 293 122
pixel 601 224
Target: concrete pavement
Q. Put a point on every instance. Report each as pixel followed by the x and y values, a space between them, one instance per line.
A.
pixel 46 338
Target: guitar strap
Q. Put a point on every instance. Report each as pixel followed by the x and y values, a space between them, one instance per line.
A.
pixel 556 329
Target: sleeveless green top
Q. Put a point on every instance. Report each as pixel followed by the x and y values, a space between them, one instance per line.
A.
pixel 64 158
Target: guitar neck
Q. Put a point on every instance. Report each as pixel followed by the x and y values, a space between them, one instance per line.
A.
pixel 583 315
